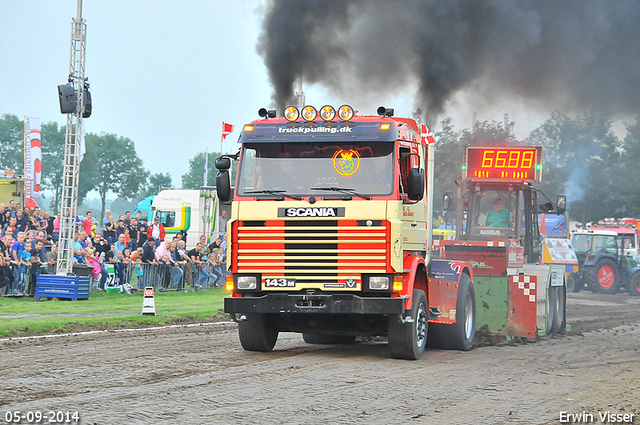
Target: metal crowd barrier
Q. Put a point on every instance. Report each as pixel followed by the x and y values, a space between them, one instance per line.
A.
pixel 162 276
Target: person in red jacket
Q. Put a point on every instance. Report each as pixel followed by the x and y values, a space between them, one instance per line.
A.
pixel 156 230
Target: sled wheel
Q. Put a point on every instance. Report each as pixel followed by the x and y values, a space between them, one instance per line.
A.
pixel 407 340
pixel 258 333
pixel 460 335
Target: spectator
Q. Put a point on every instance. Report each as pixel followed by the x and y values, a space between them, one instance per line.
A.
pixel 87 224
pixel 215 244
pixel 110 230
pixel 49 219
pixel 148 255
pixel 156 230
pixel 120 244
pixel 119 228
pixel 38 259
pixel 223 222
pixel 177 271
pixel 134 234
pixel 223 244
pixel 142 233
pixel 30 240
pixel 163 249
pixel 184 258
pixel 106 219
pixel 79 251
pixel 216 267
pixel 56 227
pixel 12 207
pixel 52 259
pixel 21 222
pixel 20 265
pixel 127 218
pixel 6 276
pixel 5 218
pixel 196 255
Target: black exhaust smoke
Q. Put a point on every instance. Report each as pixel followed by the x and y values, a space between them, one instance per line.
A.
pixel 572 55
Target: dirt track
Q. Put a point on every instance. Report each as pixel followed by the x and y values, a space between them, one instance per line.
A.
pixel 201 375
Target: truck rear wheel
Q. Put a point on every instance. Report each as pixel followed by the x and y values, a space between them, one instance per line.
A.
pixel 258 333
pixel 634 284
pixel 460 335
pixel 408 340
pixel 602 277
pixel 328 339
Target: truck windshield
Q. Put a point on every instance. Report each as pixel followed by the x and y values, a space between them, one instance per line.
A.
pixel 296 168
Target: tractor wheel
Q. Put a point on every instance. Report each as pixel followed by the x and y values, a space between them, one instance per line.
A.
pixel 328 339
pixel 574 284
pixel 634 284
pixel 407 340
pixel 258 333
pixel 460 335
pixel 602 277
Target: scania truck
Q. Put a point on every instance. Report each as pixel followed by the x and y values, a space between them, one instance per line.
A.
pixel 330 234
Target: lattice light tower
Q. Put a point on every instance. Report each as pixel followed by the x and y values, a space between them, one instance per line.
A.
pixel 71 168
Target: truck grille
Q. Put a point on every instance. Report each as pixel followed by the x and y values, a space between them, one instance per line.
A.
pixel 318 254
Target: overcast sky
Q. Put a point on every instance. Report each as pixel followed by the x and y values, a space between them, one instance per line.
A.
pixel 166 74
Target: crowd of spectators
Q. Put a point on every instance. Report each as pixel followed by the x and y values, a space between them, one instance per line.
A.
pixel 128 249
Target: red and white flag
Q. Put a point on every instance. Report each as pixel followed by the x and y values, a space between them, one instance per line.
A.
pixel 226 129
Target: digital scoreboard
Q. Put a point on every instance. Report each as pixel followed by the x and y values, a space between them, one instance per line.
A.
pixel 503 164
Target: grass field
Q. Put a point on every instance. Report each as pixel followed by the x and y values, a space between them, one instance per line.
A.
pixel 25 316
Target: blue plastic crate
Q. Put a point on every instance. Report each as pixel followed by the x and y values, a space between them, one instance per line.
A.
pixel 73 287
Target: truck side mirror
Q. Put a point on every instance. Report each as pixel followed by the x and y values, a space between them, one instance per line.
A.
pixel 562 204
pixel 415 184
pixel 223 183
pixel 446 201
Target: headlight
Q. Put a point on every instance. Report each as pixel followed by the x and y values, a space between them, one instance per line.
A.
pixel 291 113
pixel 246 282
pixel 345 112
pixel 327 113
pixel 309 113
pixel 379 282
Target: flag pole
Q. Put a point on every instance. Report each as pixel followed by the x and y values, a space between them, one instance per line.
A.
pixel 222 138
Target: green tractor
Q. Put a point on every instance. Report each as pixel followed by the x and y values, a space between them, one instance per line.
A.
pixel 603 266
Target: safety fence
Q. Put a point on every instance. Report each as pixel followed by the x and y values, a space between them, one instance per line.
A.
pixel 113 277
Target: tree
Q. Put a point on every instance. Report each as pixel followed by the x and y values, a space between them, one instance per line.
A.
pixel 581 160
pixel 630 178
pixel 194 178
pixel 11 143
pixel 157 181
pixel 116 165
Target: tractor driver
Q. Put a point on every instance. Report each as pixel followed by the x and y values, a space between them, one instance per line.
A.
pixel 498 217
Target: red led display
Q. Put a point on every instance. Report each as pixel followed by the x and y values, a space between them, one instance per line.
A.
pixel 504 164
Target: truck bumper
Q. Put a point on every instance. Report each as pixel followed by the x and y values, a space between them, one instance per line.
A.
pixel 318 304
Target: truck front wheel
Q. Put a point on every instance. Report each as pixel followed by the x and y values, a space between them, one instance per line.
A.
pixel 407 340
pixel 259 332
pixel 574 284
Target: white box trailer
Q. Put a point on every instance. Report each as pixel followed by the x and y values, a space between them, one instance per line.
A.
pixel 196 212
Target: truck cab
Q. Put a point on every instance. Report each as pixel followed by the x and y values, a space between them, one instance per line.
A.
pixel 330 232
